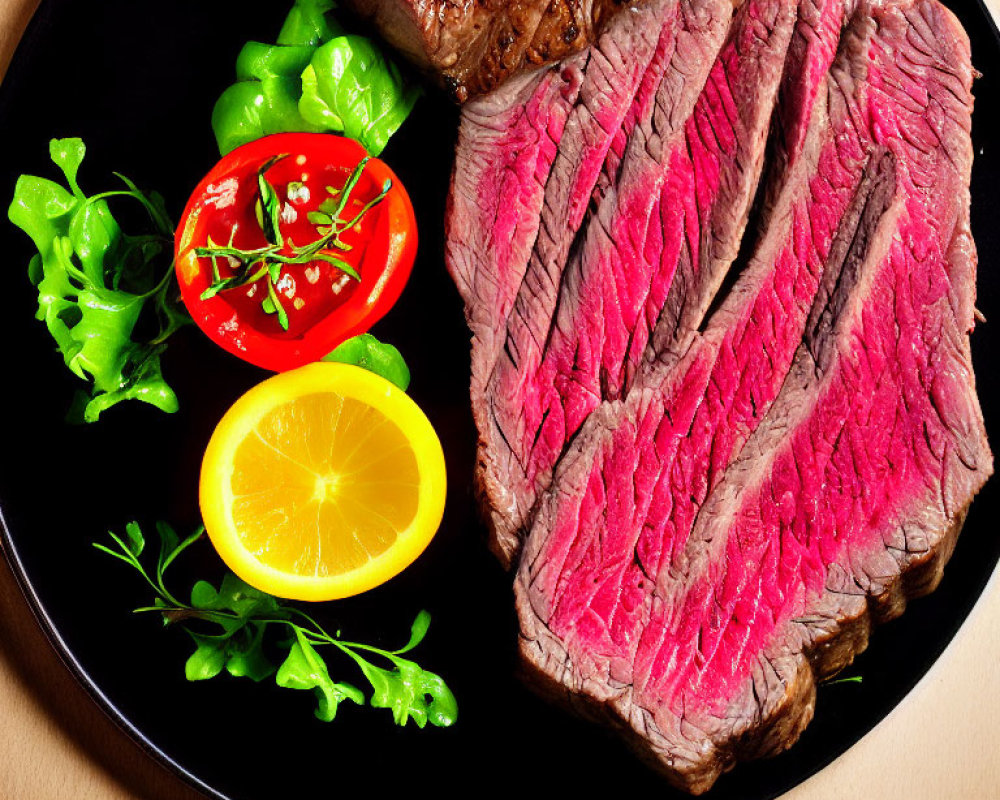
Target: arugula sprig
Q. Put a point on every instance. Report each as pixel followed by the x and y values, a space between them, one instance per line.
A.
pixel 109 298
pixel 231 628
pixel 266 263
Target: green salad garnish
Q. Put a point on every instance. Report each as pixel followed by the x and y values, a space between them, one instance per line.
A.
pixel 369 353
pixel 316 78
pixel 236 628
pixel 109 298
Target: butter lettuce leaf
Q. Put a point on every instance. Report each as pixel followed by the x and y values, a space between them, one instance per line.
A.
pixel 369 353
pixel 350 87
pixel 316 78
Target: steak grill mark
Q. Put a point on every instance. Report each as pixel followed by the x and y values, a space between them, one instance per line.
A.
pixel 470 47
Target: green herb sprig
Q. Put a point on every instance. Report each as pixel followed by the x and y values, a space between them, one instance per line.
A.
pixel 108 298
pixel 835 681
pixel 266 263
pixel 231 629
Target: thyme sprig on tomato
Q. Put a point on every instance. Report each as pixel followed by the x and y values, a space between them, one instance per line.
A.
pixel 293 244
pixel 265 263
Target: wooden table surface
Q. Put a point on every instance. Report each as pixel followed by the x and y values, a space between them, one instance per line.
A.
pixel 941 743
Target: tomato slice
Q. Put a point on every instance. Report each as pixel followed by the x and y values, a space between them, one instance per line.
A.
pixel 244 263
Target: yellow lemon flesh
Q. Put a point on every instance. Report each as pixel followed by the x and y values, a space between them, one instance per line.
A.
pixel 322 482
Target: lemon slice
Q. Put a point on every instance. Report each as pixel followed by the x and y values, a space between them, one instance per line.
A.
pixel 322 482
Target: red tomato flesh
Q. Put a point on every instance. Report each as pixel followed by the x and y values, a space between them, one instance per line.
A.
pixel 324 305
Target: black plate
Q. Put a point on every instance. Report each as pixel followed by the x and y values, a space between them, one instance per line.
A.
pixel 137 81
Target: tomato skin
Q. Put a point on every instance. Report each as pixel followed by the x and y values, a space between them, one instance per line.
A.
pixel 385 244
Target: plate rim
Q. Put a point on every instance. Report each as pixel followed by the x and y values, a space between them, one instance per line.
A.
pixel 101 700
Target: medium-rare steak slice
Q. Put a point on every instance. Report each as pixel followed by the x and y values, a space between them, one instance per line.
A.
pixel 642 468
pixel 662 238
pixel 471 46
pixel 517 201
pixel 506 147
pixel 869 458
pixel 697 624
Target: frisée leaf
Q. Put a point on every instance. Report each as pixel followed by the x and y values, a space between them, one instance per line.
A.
pixel 108 298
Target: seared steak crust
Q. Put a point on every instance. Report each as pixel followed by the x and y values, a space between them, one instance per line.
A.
pixel 472 46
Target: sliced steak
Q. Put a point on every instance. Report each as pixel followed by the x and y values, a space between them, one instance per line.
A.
pixel 506 146
pixel 661 239
pixel 849 497
pixel 679 592
pixel 641 468
pixel 521 185
pixel 471 46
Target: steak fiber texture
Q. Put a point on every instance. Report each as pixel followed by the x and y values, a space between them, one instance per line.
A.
pixel 721 284
pixel 654 250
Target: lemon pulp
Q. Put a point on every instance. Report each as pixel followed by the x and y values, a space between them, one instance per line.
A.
pixel 322 482
pixel 330 501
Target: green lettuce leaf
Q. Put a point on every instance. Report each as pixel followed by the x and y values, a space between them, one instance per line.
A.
pixel 369 353
pixel 350 87
pixel 314 79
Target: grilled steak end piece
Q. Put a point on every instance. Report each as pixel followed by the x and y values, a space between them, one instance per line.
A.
pixel 471 46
